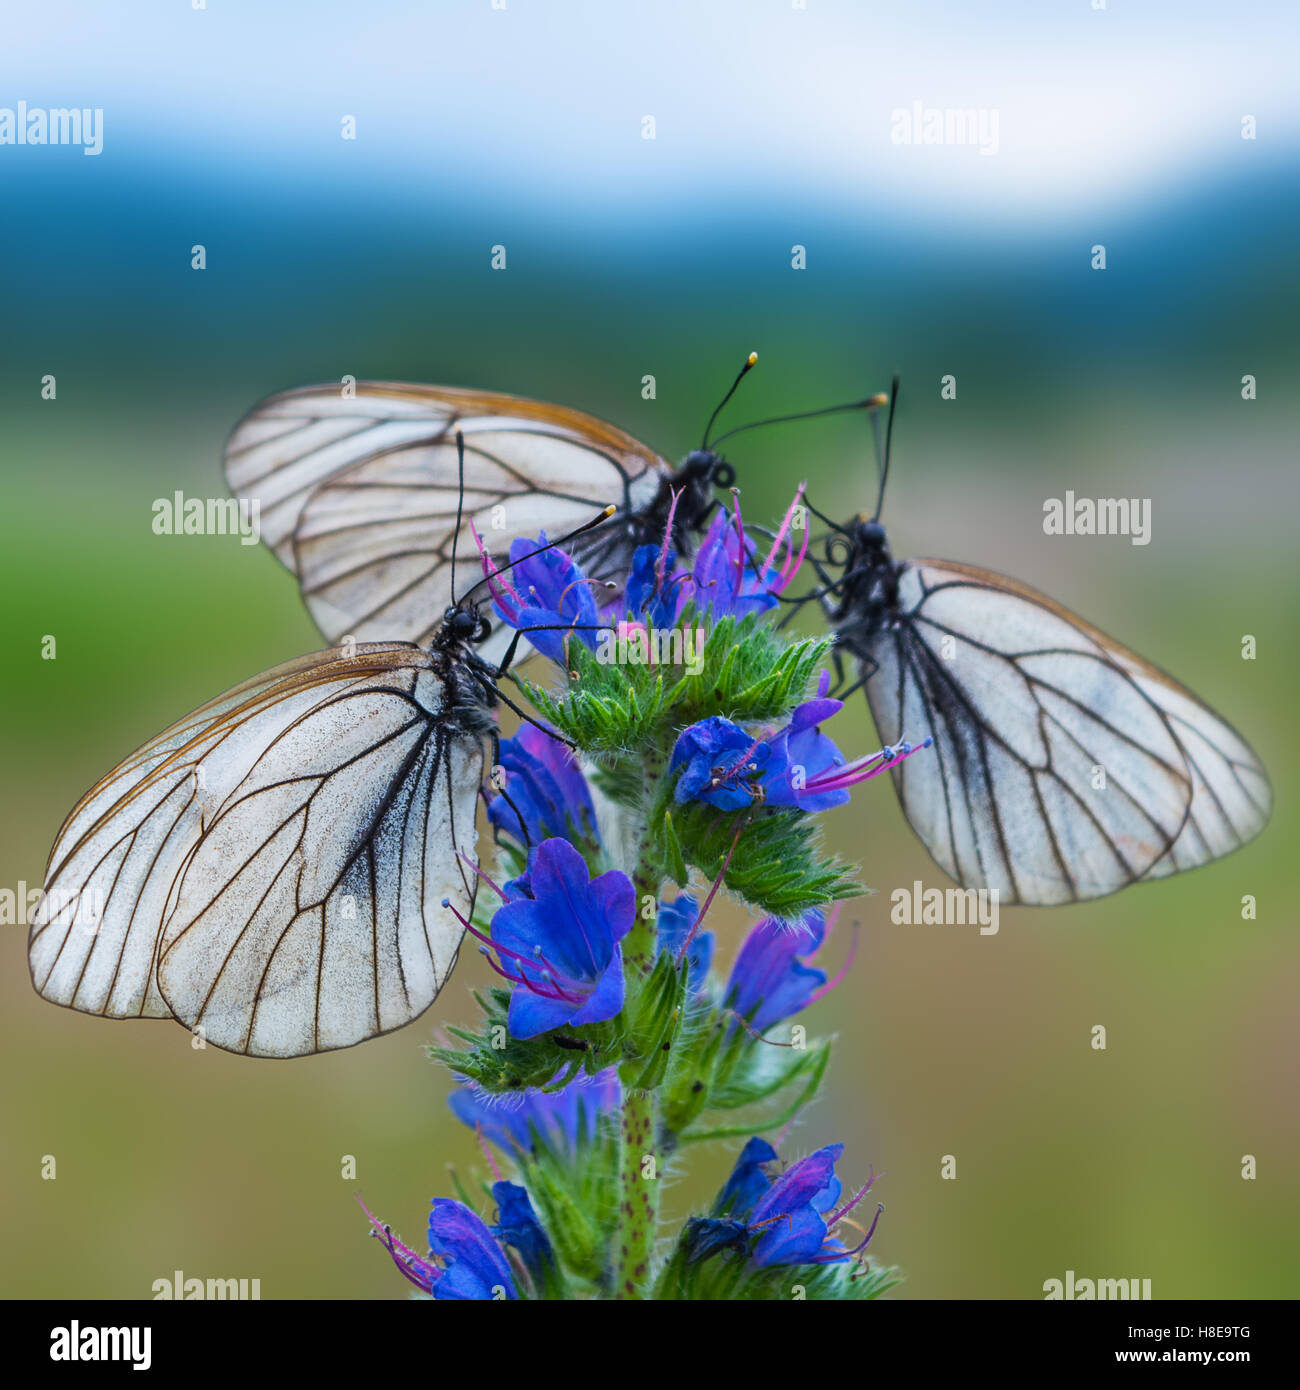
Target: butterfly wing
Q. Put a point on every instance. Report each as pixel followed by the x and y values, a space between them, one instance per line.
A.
pixel 1064 766
pixel 154 906
pixel 358 495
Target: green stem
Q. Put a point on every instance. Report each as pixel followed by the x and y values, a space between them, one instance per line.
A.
pixel 638 1197
pixel 638 1164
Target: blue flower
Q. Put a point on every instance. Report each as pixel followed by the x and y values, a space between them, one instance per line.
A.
pixel 726 576
pixel 547 788
pixel 796 767
pixel 465 1262
pixel 517 1225
pixel 674 925
pixel 562 942
pixel 544 594
pixel 560 1120
pixel 792 1213
pixel 653 593
pixel 719 760
pixel 770 979
pixel 802 754
pixel 748 1181
pixel 473 1265
pixel 782 1219
pixel 726 583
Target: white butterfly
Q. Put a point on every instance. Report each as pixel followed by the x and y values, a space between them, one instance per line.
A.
pixel 359 495
pixel 1064 766
pixel 269 870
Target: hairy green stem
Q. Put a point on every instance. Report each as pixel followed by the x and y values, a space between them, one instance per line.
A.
pixel 638 1197
pixel 638 1165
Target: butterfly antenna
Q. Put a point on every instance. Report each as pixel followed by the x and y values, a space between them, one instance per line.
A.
pixel 460 507
pixel 871 403
pixel 750 362
pixel 889 446
pixel 597 520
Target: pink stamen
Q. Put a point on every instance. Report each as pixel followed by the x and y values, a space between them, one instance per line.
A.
pixel 661 564
pixel 843 970
pixel 483 876
pixel 741 765
pixel 502 591
pixel 861 1246
pixel 861 769
pixel 740 534
pixel 538 963
pixel 839 1216
pixel 708 902
pixel 781 535
pixel 487 1152
pixel 779 1142
pixel 577 584
pixel 787 577
pixel 522 979
pixel 406 1260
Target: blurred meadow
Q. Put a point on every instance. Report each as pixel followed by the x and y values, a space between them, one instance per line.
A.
pixel 672 257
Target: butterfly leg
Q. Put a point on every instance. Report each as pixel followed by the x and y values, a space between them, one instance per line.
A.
pixel 498 694
pixel 498 780
pixel 869 664
pixel 795 605
pixel 497 672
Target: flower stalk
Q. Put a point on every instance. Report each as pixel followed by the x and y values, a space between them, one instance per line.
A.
pixel 638 1197
pixel 609 1043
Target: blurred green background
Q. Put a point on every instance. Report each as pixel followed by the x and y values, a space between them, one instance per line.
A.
pixel 326 259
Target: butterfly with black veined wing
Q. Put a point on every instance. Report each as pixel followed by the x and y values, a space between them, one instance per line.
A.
pixel 270 870
pixel 359 492
pixel 1026 702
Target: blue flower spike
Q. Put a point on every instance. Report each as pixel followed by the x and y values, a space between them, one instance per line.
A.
pixel 608 1036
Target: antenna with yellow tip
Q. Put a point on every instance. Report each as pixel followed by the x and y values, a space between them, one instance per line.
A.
pixel 882 462
pixel 871 403
pixel 750 362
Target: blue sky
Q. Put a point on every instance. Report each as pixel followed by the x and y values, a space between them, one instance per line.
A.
pixel 542 102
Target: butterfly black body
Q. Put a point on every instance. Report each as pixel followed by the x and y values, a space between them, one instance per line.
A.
pixel 867 592
pixel 472 694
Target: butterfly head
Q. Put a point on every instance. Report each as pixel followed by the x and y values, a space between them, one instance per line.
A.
pixel 707 469
pixel 867 582
pixel 702 470
pixel 869 536
pixel 687 497
pixel 463 624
